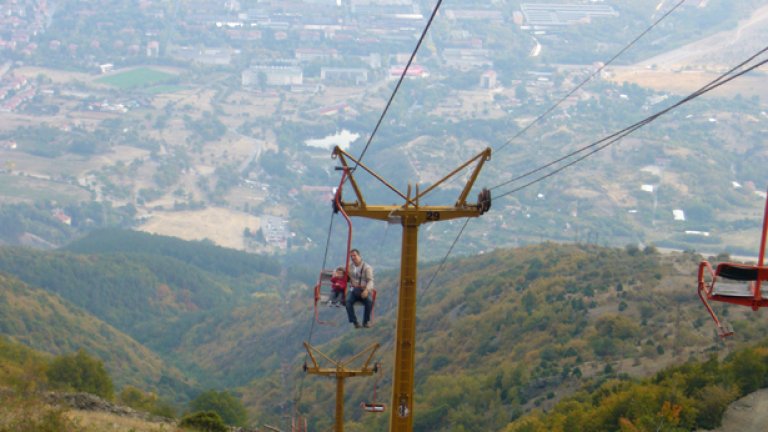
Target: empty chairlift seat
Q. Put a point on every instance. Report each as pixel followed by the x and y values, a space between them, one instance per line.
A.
pixel 735 283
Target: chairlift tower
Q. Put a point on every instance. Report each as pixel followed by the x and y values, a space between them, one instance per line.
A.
pixel 411 215
pixel 340 371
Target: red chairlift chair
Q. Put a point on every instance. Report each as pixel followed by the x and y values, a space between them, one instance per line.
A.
pixel 735 283
pixel 323 285
pixel 322 293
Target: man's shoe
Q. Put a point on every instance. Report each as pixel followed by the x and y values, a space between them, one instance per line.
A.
pixel 357 325
pixel 367 325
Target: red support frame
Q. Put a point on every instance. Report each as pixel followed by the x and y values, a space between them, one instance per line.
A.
pixel 320 280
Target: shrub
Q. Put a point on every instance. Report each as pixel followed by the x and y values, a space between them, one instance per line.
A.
pixel 206 421
pixel 19 414
pixel 228 407
pixel 81 372
pixel 148 402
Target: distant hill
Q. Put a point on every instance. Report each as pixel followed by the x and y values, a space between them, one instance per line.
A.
pixel 141 294
pixel 204 255
pixel 45 322
pixel 215 312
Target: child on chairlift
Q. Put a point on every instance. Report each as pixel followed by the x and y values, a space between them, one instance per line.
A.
pixel 338 287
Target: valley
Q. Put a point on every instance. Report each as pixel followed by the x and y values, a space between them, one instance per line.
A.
pixel 162 210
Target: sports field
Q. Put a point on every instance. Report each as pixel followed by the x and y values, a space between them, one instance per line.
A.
pixel 136 78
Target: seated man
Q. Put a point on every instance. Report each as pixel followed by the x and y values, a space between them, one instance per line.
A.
pixel 361 283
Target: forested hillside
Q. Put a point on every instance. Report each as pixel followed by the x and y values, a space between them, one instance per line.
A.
pixel 205 255
pixel 142 283
pixel 507 332
pixel 678 399
pixel 214 312
pixel 499 334
pixel 44 321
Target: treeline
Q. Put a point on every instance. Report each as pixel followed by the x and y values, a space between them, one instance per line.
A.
pixel 202 254
pixel 682 398
pixel 35 224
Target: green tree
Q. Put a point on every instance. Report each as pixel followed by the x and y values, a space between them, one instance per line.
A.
pixel 223 403
pixel 207 421
pixel 147 402
pixel 748 370
pixel 711 404
pixel 81 372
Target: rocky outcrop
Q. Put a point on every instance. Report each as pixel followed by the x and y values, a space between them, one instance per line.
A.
pixel 89 402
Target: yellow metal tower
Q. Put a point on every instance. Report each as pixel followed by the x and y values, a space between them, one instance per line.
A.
pixel 342 371
pixel 411 215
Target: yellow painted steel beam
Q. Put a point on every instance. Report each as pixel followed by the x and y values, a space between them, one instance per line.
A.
pixel 345 373
pixel 401 414
pixel 339 404
pixel 422 214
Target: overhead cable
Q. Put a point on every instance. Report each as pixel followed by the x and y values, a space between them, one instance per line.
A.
pixel 300 389
pixel 552 108
pixel 450 249
pixel 589 78
pixel 368 143
pixel 613 138
pixel 400 81
pixel 722 79
pixel 549 110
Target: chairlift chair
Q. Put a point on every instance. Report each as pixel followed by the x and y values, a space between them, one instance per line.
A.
pixel 323 291
pixel 735 283
pixel 374 407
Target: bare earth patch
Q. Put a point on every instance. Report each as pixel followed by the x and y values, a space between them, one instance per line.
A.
pixel 691 66
pixel 57 76
pixel 224 227
pixel 686 82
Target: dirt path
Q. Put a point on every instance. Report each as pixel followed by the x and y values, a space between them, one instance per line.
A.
pixel 689 67
pixel 748 414
pixel 720 49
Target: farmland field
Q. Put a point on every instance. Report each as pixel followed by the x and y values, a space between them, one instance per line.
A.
pixel 223 226
pixel 16 188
